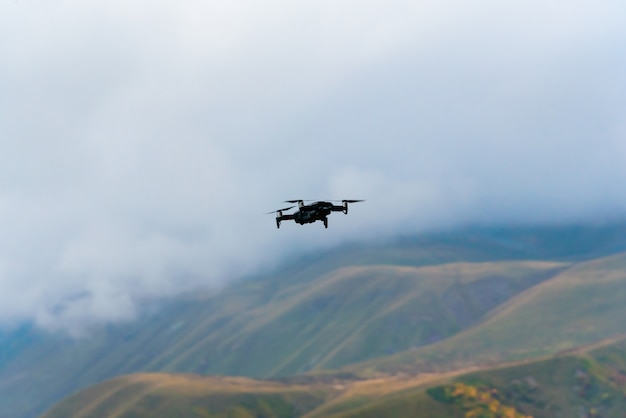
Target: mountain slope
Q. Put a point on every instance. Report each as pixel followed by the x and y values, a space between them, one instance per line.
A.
pixel 320 311
pixel 588 382
pixel 357 313
pixel 581 305
pixel 348 315
pixel 162 395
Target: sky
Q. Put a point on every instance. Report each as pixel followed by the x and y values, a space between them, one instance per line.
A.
pixel 143 142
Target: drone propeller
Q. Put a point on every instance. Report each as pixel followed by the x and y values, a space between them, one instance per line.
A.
pixel 345 203
pixel 299 200
pixel 279 210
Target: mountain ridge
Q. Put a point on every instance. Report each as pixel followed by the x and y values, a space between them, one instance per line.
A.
pixel 550 311
pixel 587 379
pixel 251 327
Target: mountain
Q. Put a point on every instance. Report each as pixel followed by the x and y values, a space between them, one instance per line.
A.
pixel 588 382
pixel 581 305
pixel 185 396
pixel 376 305
pixel 348 315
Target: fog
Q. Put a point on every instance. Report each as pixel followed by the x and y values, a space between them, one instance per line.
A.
pixel 142 143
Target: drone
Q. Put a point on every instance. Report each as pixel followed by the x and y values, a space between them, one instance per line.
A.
pixel 311 212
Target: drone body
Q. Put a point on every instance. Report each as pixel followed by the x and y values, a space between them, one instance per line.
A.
pixel 309 213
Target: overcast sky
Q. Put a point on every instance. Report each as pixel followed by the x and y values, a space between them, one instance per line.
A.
pixel 142 141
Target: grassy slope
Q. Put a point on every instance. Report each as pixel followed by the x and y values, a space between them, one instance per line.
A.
pixel 220 333
pixel 337 317
pixel 163 395
pixel 579 306
pixel 591 384
pixel 347 315
pixel 357 313
pixel 580 383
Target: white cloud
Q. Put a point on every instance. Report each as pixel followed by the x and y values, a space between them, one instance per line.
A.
pixel 141 142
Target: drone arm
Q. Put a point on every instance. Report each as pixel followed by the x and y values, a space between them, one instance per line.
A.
pixel 341 208
pixel 280 217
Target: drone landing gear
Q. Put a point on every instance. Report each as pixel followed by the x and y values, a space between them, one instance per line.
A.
pixel 277 223
pixel 325 222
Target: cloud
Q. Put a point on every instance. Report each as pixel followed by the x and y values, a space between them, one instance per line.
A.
pixel 142 143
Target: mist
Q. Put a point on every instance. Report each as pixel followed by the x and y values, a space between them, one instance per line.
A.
pixel 143 143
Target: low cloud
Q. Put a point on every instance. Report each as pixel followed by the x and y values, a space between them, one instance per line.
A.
pixel 141 144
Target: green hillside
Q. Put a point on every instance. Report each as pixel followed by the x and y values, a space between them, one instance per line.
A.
pixel 579 306
pixel 345 316
pixel 161 395
pixel 580 384
pixel 588 382
pixel 356 313
pixel 322 311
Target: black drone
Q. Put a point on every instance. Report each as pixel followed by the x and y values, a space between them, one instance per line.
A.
pixel 309 213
